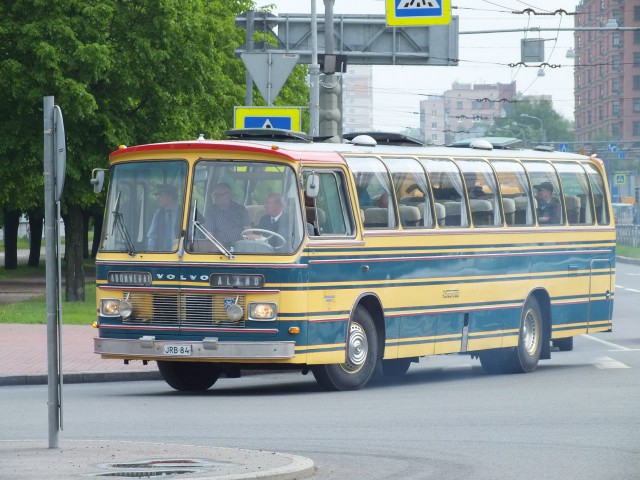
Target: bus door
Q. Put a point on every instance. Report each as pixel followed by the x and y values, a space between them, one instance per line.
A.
pixel 600 293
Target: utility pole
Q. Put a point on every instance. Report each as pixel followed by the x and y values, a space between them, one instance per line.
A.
pixel 331 88
pixel 314 76
pixel 250 45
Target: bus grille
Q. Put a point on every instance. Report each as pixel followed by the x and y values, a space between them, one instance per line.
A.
pixel 184 309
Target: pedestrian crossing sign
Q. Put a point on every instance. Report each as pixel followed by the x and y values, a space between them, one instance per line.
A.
pixel 403 13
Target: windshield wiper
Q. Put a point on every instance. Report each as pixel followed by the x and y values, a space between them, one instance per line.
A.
pixel 208 235
pixel 120 224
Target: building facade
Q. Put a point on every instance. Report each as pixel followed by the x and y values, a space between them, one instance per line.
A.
pixel 607 73
pixel 464 111
pixel 357 100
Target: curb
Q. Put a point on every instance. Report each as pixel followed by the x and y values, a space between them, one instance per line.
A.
pixel 628 260
pixel 70 378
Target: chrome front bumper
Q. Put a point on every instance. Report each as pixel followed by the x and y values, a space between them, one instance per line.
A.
pixel 147 347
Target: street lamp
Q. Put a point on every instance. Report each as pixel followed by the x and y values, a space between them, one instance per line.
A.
pixel 542 136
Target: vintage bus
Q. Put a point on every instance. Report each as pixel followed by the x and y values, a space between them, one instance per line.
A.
pixel 348 260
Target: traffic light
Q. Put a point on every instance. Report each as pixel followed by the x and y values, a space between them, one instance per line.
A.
pixel 331 106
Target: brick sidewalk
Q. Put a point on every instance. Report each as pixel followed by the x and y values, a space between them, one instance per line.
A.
pixel 23 356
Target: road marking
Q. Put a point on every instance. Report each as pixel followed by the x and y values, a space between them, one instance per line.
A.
pixel 632 290
pixel 607 362
pixel 609 344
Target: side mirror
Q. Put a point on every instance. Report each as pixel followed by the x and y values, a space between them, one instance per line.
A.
pixel 97 179
pixel 313 185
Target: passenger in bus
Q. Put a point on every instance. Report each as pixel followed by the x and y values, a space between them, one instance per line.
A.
pixel 382 200
pixel 276 220
pixel 548 207
pixel 226 219
pixel 164 225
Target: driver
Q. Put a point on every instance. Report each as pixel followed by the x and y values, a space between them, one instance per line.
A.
pixel 226 219
pixel 276 220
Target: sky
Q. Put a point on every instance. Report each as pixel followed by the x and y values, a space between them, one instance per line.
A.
pixel 484 58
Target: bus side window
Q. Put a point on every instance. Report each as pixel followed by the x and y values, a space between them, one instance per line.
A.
pixel 329 213
pixel 577 196
pixel 600 199
pixel 549 201
pixel 516 193
pixel 448 191
pixel 412 189
pixel 375 195
pixel 482 189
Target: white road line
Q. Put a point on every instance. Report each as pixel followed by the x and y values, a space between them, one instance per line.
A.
pixel 620 287
pixel 604 342
pixel 607 362
pixel 632 290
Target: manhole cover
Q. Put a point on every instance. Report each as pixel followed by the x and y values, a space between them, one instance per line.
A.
pixel 155 468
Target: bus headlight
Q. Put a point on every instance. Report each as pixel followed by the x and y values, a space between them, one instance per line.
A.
pixel 125 309
pixel 263 312
pixel 109 307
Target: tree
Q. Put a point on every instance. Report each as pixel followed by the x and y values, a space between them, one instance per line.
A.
pixel 123 73
pixel 556 127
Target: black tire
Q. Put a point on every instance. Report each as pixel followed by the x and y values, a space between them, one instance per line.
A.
pixel 523 358
pixel 396 367
pixel 361 356
pixel 189 376
pixel 564 344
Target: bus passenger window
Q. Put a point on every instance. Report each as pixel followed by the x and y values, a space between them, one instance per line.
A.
pixel 375 194
pixel 600 200
pixel 413 192
pixel 448 191
pixel 577 197
pixel 547 193
pixel 516 193
pixel 482 189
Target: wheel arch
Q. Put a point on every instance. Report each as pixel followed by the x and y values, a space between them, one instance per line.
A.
pixel 544 302
pixel 371 302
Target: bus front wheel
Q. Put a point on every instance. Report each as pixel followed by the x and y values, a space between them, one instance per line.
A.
pixel 361 356
pixel 189 376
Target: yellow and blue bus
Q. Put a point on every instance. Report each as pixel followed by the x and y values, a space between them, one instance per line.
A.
pixel 348 260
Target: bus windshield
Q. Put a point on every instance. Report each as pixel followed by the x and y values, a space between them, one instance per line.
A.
pixel 244 207
pixel 145 207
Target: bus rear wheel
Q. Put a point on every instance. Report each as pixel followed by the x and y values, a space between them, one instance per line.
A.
pixel 523 358
pixel 189 376
pixel 361 356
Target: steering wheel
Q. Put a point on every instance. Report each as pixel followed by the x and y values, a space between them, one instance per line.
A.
pixel 266 235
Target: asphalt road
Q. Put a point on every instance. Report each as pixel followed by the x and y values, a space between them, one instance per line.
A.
pixel 575 417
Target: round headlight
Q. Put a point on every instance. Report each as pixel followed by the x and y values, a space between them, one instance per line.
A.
pixel 126 309
pixel 235 312
pixel 109 306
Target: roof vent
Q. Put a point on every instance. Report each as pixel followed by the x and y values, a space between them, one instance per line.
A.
pixel 481 144
pixel 364 141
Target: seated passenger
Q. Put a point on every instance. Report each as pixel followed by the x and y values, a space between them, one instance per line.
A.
pixel 164 227
pixel 226 219
pixel 275 220
pixel 382 200
pixel 548 207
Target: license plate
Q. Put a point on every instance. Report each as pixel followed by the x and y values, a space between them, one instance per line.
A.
pixel 178 350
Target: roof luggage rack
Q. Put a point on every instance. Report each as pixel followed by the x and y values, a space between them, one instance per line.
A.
pixel 279 134
pixel 388 138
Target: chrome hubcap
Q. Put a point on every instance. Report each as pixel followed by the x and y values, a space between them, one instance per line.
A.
pixel 530 334
pixel 357 349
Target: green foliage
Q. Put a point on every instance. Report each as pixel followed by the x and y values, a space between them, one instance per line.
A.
pixel 34 311
pixel 556 127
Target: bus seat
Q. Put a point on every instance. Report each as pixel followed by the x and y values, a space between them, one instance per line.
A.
pixel 441 214
pixel 481 211
pixel 255 213
pixel 573 208
pixel 453 213
pixel 409 215
pixel 521 210
pixel 509 206
pixel 376 217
